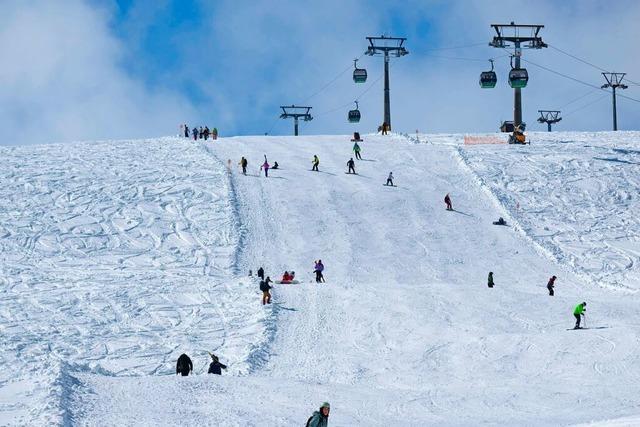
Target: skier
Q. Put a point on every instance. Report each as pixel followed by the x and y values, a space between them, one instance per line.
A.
pixel 490 280
pixel 390 179
pixel 184 365
pixel 243 163
pixel 351 164
pixel 318 269
pixel 186 131
pixel 551 284
pixel 265 166
pixel 316 162
pixel 206 132
pixel 447 200
pixel 261 273
pixel 356 149
pixel 579 311
pixel 320 418
pixel 194 132
pixel 215 365
pixel 265 287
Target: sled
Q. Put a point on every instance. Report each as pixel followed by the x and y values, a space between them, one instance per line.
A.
pixel 287 282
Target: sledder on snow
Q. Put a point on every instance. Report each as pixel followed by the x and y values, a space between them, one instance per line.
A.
pixel 288 278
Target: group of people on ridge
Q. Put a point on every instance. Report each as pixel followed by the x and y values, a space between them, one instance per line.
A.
pixel 195 133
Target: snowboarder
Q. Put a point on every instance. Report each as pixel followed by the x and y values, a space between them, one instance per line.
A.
pixel 551 284
pixel 206 132
pixel 186 131
pixel 275 165
pixel 184 365
pixel 351 164
pixel 390 179
pixel 243 163
pixel 318 269
pixel 265 287
pixel 265 166
pixel 215 366
pixel 320 418
pixel 316 162
pixel 261 273
pixel 490 280
pixel 579 311
pixel 194 132
pixel 356 149
pixel 447 201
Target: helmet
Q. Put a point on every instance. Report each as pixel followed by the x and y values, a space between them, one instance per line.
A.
pixel 584 303
pixel 325 405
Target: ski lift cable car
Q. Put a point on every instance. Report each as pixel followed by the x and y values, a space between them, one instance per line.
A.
pixel 359 74
pixel 488 79
pixel 354 115
pixel 518 77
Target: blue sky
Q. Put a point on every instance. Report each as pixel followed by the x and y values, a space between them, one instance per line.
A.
pixel 129 68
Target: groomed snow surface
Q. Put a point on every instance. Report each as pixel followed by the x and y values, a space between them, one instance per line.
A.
pixel 117 257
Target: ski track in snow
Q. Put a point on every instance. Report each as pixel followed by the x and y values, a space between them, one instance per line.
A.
pixel 404 332
pixel 115 258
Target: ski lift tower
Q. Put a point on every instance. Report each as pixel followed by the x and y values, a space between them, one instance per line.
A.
pixel 520 37
pixel 549 117
pixel 387 45
pixel 614 81
pixel 296 112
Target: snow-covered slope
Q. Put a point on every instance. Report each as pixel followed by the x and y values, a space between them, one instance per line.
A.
pixel 118 257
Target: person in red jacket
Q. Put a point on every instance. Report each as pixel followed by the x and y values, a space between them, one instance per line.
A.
pixel 447 200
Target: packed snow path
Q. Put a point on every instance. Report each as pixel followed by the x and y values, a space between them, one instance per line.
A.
pixel 404 332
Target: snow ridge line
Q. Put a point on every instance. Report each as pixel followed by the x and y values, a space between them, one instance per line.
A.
pixel 549 253
pixel 260 352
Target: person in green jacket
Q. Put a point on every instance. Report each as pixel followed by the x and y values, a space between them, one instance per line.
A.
pixel 490 279
pixel 579 311
pixel 356 149
pixel 320 418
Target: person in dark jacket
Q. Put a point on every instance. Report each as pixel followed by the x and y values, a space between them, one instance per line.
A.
pixel 184 365
pixel 447 201
pixel 194 133
pixel 261 273
pixel 320 418
pixel 352 166
pixel 201 133
pixel 243 164
pixel 275 165
pixel 490 280
pixel 551 284
pixel 206 133
pixel 186 131
pixel 215 367
pixel 265 288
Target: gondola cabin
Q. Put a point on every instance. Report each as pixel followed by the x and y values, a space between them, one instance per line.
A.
pixel 518 77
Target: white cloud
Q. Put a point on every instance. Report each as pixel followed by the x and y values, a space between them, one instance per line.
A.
pixel 62 79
